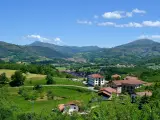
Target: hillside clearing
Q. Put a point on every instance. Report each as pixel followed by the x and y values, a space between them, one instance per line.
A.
pixel 9 73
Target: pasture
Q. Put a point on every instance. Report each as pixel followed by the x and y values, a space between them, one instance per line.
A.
pixel 59 81
pixel 9 73
pixel 67 93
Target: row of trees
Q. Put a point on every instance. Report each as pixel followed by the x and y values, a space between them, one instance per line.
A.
pixel 17 79
pixel 34 68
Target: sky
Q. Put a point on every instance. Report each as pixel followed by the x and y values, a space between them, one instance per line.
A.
pixel 103 23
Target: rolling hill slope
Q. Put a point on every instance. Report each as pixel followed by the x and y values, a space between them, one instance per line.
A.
pixel 127 53
pixel 132 52
pixel 69 50
pixel 18 52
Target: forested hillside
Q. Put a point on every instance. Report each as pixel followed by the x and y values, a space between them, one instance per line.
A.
pixel 130 53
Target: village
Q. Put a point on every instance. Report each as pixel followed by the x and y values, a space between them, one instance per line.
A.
pixel 106 89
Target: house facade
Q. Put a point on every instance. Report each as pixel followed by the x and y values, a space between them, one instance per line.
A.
pixel 95 80
pixel 129 84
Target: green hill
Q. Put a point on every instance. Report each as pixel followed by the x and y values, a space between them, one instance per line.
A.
pixel 69 50
pixel 128 53
pixel 17 52
pixel 133 52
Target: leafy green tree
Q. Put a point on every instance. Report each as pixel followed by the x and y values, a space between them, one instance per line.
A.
pixel 50 80
pixel 17 79
pixel 3 78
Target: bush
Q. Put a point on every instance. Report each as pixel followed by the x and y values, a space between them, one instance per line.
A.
pixel 97 87
pixel 28 95
pixel 28 116
pixel 50 95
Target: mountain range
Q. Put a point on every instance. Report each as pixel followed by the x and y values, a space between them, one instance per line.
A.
pixel 128 53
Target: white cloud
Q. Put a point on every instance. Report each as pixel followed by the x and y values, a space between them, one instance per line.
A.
pixel 122 14
pixel 132 24
pixel 156 37
pixel 38 37
pixel 35 37
pixel 151 23
pixel 84 22
pixel 113 15
pixel 58 40
pixel 138 11
pixel 106 24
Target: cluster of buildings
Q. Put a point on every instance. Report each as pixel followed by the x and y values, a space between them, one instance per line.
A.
pixel 116 86
pixel 107 89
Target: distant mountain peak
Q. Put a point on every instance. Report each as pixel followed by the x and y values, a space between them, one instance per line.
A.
pixel 142 42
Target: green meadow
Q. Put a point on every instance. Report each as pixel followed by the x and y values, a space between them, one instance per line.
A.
pixel 65 94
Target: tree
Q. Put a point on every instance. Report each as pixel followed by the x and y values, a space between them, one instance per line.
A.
pixel 17 79
pixel 3 78
pixel 50 80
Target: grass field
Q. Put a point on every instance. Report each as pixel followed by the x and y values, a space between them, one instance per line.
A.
pixel 70 94
pixel 9 73
pixel 34 79
pixel 60 81
pixel 61 68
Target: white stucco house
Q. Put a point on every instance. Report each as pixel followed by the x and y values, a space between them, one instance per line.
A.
pixel 95 80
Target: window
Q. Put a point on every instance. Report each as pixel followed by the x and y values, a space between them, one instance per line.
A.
pixel 74 107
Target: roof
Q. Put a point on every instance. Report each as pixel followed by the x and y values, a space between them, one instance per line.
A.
pixel 109 89
pixel 118 82
pixel 133 82
pixel 129 80
pixel 61 107
pixel 96 76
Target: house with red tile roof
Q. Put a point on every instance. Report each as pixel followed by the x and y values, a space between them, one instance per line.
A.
pixel 95 80
pixel 129 84
pixel 107 92
pixel 70 107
